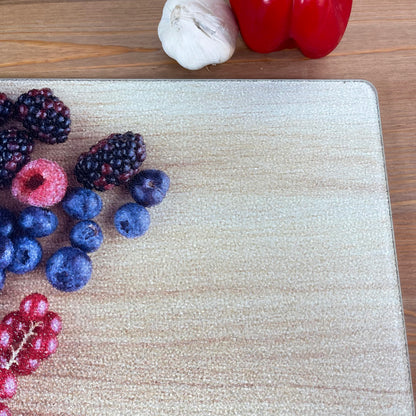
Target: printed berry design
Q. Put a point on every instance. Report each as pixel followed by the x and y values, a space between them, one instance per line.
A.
pixel 44 115
pixel 149 187
pixel 28 336
pixel 111 162
pixel 6 110
pixel 15 149
pixel 40 183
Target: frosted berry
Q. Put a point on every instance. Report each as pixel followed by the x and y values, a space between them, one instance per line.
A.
pixel 86 235
pixel 37 222
pixel 42 345
pixel 5 358
pixel 34 307
pixel 132 220
pixel 8 384
pixel 4 410
pixel 27 255
pixel 15 149
pixel 69 269
pixel 52 322
pixel 25 364
pixel 7 222
pixel 111 162
pixel 6 252
pixel 6 336
pixel 40 183
pixel 18 324
pixel 149 187
pixel 44 115
pixel 2 278
pixel 82 204
pixel 6 108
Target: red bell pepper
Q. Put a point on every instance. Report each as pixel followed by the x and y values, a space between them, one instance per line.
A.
pixel 314 26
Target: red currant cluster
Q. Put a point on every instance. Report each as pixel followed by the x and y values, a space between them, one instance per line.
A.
pixel 27 336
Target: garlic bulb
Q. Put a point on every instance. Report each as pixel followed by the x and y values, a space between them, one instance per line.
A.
pixel 198 33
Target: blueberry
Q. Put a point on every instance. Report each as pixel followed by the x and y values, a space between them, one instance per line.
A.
pixel 27 255
pixel 149 187
pixel 82 204
pixel 6 252
pixel 37 222
pixel 69 269
pixel 86 235
pixel 7 222
pixel 132 220
pixel 2 278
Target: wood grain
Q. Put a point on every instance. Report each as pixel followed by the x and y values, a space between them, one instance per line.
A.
pixel 268 281
pixel 106 39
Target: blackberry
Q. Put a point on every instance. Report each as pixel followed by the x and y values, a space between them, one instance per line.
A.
pixel 45 116
pixel 6 108
pixel 111 162
pixel 15 148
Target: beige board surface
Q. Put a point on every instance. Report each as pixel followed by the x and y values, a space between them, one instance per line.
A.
pixel 267 283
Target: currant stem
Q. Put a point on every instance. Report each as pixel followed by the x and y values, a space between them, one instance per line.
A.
pixel 15 352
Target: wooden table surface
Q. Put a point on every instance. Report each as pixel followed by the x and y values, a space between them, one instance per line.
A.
pixel 118 39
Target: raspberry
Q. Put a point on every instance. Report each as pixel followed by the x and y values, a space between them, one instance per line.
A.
pixel 69 269
pixel 82 204
pixel 45 116
pixel 15 149
pixel 111 162
pixel 6 108
pixel 132 220
pixel 86 235
pixel 37 222
pixel 149 187
pixel 41 183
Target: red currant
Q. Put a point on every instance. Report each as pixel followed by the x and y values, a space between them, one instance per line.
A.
pixel 42 345
pixel 52 321
pixel 34 307
pixel 51 344
pixel 18 324
pixel 4 410
pixel 25 364
pixel 8 384
pixel 6 336
pixel 4 359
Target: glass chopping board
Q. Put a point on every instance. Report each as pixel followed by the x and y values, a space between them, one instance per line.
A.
pixel 267 283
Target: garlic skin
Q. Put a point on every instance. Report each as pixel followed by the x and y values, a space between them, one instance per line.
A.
pixel 198 33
